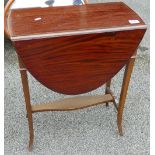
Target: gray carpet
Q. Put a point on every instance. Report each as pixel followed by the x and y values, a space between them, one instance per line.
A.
pixel 91 131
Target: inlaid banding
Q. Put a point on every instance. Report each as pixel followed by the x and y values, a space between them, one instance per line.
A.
pixel 80 32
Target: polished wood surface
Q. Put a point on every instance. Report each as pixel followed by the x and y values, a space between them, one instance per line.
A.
pixel 18 4
pixel 78 64
pixel 73 103
pixel 71 18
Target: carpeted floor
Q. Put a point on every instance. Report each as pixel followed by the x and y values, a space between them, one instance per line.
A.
pixel 91 131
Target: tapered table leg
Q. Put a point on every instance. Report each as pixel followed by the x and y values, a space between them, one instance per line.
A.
pixel 25 85
pixel 125 84
pixel 106 90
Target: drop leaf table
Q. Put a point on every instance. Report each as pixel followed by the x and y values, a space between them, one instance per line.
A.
pixel 73 48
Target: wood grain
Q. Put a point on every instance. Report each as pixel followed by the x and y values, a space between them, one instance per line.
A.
pixel 70 18
pixel 78 64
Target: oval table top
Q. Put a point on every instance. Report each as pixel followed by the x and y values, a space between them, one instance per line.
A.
pixel 75 49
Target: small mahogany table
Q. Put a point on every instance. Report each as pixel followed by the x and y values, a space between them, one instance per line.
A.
pixel 73 50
